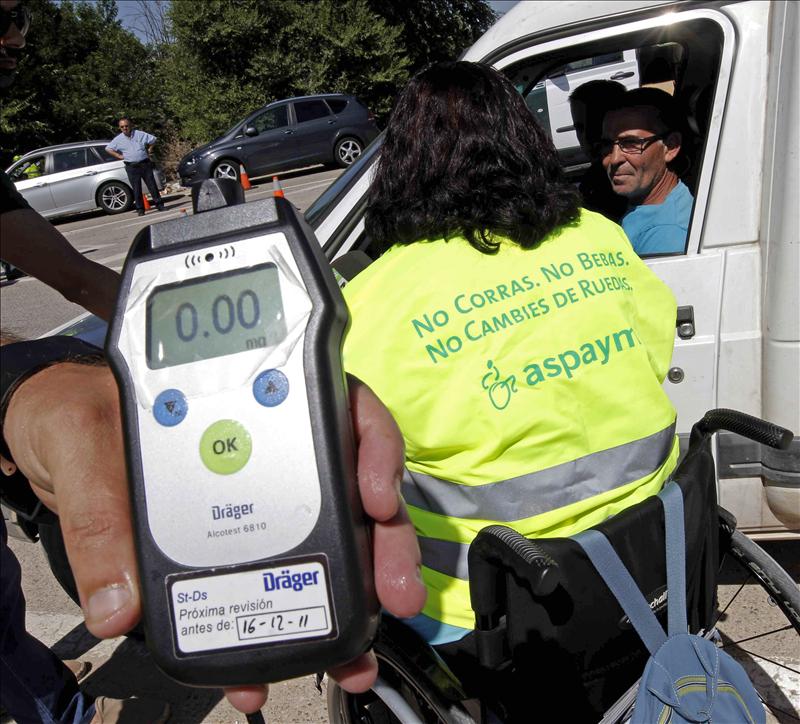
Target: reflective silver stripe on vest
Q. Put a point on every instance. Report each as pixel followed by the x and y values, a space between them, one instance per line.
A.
pixel 542 491
pixel 445 556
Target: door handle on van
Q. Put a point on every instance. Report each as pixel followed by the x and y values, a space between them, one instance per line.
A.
pixel 564 129
pixel 684 322
pixel 288 132
pixel 622 74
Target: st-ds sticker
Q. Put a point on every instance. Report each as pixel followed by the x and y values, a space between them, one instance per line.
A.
pixel 225 611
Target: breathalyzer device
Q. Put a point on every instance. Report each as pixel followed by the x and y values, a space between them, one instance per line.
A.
pixel 253 551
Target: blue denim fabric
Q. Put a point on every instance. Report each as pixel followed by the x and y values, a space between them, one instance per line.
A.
pixel 34 685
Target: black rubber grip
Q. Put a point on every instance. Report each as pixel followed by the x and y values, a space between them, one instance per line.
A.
pixel 751 427
pixel 498 544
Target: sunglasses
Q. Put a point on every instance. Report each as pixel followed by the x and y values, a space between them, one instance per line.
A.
pixel 19 15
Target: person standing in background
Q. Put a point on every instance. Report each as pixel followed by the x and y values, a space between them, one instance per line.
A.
pixel 133 147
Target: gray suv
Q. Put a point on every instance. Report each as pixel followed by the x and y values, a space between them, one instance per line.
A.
pixel 330 128
pixel 74 177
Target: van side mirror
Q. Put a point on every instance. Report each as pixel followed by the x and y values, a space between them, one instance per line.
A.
pixel 250 131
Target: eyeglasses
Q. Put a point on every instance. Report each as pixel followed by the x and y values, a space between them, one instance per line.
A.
pixel 121 127
pixel 627 144
pixel 19 15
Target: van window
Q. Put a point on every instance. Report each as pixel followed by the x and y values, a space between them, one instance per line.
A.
pixel 70 160
pixel 271 119
pixel 682 59
pixel 310 110
pixel 30 168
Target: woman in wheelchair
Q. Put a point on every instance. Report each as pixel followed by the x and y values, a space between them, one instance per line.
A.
pixel 520 344
pixel 518 340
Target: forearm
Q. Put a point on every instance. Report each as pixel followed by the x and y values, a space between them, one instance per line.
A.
pixel 115 154
pixel 38 248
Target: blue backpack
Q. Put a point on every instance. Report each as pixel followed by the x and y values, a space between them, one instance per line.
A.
pixel 687 678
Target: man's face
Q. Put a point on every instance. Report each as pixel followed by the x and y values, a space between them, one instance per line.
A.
pixel 126 126
pixel 632 174
pixel 12 40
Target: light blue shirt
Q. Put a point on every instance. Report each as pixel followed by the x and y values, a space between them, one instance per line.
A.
pixel 134 147
pixel 660 228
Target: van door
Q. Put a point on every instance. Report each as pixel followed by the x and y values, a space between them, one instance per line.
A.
pixel 717 279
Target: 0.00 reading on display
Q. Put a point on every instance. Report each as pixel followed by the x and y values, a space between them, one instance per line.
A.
pixel 214 316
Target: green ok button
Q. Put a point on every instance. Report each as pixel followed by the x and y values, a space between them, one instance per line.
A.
pixel 225 447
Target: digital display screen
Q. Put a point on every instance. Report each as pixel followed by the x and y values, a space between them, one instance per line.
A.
pixel 214 316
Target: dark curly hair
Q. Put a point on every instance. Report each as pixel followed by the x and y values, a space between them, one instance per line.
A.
pixel 463 156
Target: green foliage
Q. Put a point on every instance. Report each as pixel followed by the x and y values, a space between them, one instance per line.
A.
pixel 229 58
pixel 80 70
pixel 207 63
pixel 434 30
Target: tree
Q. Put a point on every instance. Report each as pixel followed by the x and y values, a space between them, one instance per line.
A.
pixel 435 30
pixel 80 70
pixel 231 57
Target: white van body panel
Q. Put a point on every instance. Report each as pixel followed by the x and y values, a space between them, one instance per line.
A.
pixel 528 18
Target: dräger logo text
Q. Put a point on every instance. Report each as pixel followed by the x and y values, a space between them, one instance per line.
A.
pixel 218 512
pixel 296 581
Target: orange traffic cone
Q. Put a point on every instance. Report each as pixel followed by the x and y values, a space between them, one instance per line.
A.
pixel 145 202
pixel 276 187
pixel 244 179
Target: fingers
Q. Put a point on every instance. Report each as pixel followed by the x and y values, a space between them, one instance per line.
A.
pixel 380 466
pixel 380 453
pixel 357 675
pixel 72 451
pixel 398 580
pixel 247 699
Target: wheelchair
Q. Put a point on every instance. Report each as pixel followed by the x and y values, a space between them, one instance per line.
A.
pixel 551 643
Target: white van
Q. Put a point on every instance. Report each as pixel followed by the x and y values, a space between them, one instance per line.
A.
pixel 734 66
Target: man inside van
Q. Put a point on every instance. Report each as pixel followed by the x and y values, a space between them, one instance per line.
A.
pixel 641 153
pixel 588 104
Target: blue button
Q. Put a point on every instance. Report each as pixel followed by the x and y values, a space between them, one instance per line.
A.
pixel 170 408
pixel 271 388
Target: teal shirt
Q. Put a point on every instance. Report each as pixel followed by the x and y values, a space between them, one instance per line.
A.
pixel 660 228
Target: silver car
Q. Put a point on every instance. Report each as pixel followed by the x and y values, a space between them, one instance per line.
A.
pixel 74 177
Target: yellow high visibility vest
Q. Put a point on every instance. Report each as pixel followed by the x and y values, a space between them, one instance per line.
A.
pixel 527 386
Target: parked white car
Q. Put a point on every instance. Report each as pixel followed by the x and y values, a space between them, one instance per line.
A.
pixel 74 177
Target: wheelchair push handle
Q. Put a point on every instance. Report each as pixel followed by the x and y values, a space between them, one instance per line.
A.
pixel 754 428
pixel 497 544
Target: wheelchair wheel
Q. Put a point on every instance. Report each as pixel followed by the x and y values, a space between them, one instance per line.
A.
pixel 412 687
pixel 758 621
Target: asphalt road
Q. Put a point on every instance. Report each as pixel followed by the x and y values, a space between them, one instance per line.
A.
pixel 122 667
pixel 31 309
